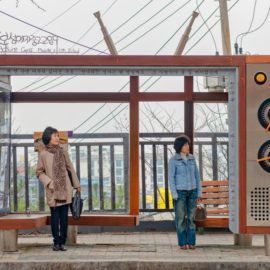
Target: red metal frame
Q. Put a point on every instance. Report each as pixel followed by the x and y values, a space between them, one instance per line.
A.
pixel 135 96
pixel 121 60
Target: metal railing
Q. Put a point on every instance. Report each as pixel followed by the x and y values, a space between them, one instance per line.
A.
pixel 101 162
pixel 161 150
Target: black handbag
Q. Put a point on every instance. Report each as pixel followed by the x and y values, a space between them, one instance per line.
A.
pixel 76 205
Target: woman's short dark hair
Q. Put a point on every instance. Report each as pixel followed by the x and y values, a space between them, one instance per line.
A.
pixel 179 142
pixel 47 134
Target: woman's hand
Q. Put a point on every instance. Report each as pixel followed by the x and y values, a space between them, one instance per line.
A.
pixel 78 189
pixel 199 199
pixel 51 186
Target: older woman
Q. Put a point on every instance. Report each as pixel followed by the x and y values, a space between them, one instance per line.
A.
pixel 185 187
pixel 53 170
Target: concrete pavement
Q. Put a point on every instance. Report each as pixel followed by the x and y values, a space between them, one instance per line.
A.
pixel 148 250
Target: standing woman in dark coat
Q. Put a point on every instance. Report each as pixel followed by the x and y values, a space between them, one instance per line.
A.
pixel 52 170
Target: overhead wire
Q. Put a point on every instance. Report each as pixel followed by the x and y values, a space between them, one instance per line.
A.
pixel 136 28
pixel 159 77
pixel 236 45
pixel 210 32
pixel 101 40
pixel 250 25
pixel 127 83
pixel 49 32
pixel 88 118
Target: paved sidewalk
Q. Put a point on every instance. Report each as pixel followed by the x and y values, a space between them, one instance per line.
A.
pixel 213 249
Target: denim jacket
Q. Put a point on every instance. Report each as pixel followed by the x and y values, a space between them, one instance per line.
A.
pixel 183 175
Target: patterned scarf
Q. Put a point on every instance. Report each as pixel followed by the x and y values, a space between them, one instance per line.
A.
pixel 59 172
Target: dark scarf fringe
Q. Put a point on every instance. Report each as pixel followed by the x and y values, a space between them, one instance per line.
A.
pixel 60 201
pixel 59 172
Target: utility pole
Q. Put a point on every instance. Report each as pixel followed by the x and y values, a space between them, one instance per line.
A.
pixel 106 35
pixel 183 41
pixel 225 27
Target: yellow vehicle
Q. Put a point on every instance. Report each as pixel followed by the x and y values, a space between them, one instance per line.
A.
pixel 161 199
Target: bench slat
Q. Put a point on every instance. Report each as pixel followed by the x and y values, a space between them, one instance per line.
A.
pixel 216 222
pixel 22 221
pixel 215 201
pixel 217 211
pixel 215 183
pixel 215 195
pixel 215 189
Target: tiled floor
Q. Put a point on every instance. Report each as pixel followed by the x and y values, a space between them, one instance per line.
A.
pixel 137 246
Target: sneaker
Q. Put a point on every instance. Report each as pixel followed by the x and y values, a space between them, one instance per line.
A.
pixel 184 247
pixel 192 247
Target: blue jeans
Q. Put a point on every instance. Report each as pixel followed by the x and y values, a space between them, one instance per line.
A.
pixel 184 208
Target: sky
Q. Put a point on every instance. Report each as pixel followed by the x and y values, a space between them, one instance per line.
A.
pixel 74 20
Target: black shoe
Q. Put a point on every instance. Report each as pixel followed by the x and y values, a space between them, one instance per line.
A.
pixel 56 248
pixel 63 248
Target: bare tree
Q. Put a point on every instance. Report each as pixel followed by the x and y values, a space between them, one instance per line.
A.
pixel 213 118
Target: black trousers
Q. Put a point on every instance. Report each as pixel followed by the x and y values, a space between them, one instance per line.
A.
pixel 59 224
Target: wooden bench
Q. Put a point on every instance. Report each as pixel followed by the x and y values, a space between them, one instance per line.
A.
pixel 10 224
pixel 215 197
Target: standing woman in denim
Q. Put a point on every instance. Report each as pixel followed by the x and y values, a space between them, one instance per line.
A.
pixel 185 185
